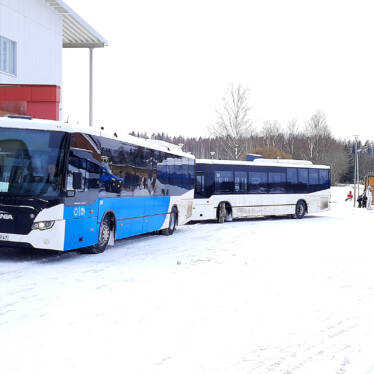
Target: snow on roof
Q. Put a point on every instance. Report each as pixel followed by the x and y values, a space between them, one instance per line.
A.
pixel 77 33
pixel 42 124
pixel 264 162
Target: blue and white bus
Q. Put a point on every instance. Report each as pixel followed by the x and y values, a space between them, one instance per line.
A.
pixel 225 190
pixel 63 188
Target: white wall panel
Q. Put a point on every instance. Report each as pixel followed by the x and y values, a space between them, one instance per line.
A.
pixel 37 29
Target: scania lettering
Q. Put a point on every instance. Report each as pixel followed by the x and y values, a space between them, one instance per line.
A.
pixel 63 188
pixel 5 216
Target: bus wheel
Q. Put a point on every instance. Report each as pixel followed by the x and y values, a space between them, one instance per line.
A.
pixel 104 236
pixel 221 213
pixel 300 210
pixel 173 221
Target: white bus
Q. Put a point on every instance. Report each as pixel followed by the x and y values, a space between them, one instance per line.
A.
pixel 63 188
pixel 225 190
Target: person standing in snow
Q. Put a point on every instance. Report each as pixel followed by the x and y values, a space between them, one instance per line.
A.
pixel 349 196
pixel 370 198
pixel 359 200
pixel 364 199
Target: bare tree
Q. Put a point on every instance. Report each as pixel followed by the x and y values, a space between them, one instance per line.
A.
pixel 292 133
pixel 272 133
pixel 233 126
pixel 318 135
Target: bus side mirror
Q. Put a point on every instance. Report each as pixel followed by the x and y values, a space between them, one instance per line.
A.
pixel 77 180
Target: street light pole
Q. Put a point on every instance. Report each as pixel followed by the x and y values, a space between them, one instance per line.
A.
pixel 90 105
pixel 358 174
pixel 355 172
pixel 362 149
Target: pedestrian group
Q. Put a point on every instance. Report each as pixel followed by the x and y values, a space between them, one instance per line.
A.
pixel 365 200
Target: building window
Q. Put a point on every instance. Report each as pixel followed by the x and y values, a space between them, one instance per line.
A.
pixel 8 56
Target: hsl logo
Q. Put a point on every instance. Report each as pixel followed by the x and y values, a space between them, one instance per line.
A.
pixel 5 215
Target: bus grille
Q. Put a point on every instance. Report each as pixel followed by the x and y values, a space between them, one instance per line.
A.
pixel 16 220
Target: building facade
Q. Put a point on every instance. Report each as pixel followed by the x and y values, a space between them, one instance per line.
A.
pixel 32 35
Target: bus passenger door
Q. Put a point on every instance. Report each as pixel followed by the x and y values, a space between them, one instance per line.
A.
pixel 81 202
pixel 199 185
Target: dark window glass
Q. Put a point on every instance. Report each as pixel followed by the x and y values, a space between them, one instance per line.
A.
pixel 313 177
pixel 200 184
pixel 240 181
pixel 302 176
pixel 324 177
pixel 31 162
pixel 84 157
pixel 163 168
pixel 125 168
pixel 132 170
pixel 191 173
pixel 257 182
pixel 292 180
pixel 224 182
pixel 277 182
pixel 291 176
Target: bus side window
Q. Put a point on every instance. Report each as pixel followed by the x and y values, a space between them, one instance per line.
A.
pixel 302 180
pixel 291 180
pixel 258 182
pixel 240 182
pixel 277 182
pixel 85 157
pixel 200 184
pixel 224 182
pixel 191 172
pixel 313 180
pixel 324 178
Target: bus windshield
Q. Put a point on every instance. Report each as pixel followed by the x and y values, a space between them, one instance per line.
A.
pixel 31 162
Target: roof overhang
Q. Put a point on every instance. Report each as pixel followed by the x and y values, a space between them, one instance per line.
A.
pixel 77 33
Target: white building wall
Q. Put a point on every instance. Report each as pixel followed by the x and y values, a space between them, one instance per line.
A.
pixel 37 29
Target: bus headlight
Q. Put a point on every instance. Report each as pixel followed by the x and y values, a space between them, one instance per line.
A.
pixel 42 225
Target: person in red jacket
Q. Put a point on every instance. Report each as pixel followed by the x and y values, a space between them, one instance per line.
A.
pixel 349 196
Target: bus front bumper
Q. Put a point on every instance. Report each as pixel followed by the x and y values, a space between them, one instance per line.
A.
pixel 52 238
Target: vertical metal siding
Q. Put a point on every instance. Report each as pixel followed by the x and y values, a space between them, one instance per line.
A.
pixel 37 29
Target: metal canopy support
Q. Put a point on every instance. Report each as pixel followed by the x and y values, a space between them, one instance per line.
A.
pixel 77 33
pixel 90 122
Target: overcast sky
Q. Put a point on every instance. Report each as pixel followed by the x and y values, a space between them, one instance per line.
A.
pixel 169 63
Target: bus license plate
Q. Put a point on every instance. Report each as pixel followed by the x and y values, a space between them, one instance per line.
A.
pixel 4 237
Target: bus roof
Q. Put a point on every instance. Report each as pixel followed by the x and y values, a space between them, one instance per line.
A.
pixel 49 125
pixel 265 162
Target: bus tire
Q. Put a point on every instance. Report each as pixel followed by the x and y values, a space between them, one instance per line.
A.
pixel 221 213
pixel 173 221
pixel 104 236
pixel 300 209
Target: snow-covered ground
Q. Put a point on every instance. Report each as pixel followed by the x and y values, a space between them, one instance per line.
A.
pixel 253 296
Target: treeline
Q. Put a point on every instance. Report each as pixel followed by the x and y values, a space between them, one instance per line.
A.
pixel 233 136
pixel 313 142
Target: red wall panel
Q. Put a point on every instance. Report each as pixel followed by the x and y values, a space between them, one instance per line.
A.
pixel 45 93
pixel 15 93
pixel 43 110
pixel 41 101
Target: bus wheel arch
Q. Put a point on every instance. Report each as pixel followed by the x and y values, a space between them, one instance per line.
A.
pixel 107 232
pixel 173 222
pixel 301 208
pixel 113 225
pixel 224 212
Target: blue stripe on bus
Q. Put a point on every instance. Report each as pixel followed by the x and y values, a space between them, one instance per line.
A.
pixel 134 216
